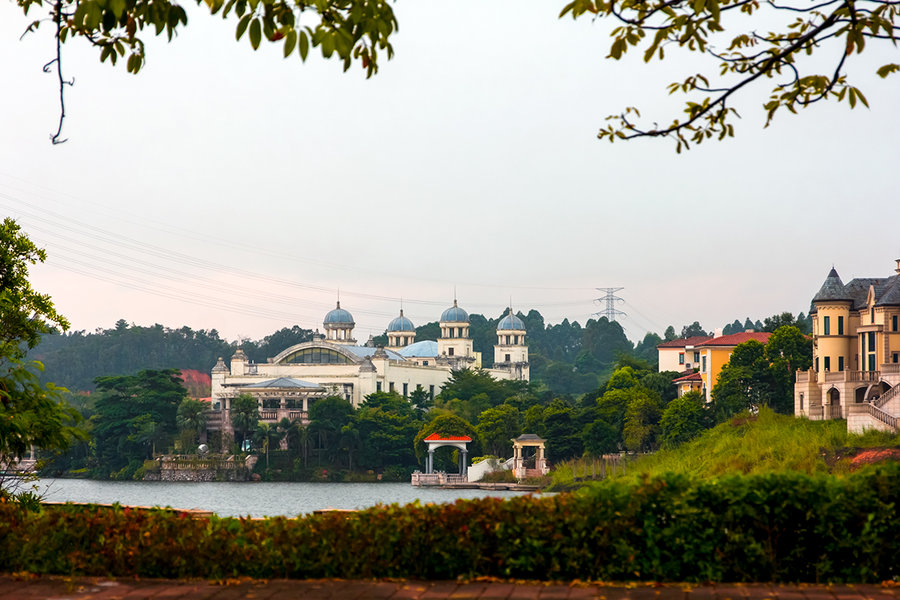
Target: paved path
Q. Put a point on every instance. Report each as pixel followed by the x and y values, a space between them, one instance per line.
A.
pixel 82 588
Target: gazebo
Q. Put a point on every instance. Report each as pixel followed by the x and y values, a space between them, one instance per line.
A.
pixel 460 442
pixel 435 441
pixel 520 466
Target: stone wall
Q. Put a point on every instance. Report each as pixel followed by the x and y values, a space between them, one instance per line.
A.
pixel 187 468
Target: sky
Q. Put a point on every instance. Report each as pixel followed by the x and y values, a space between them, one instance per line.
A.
pixel 234 190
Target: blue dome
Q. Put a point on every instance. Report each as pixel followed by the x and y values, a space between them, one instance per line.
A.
pixel 339 316
pixel 510 323
pixel 401 323
pixel 423 349
pixel 455 314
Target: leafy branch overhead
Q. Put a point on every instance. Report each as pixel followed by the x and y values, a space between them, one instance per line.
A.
pixel 353 30
pixel 839 29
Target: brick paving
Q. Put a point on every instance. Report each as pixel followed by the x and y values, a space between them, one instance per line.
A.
pixel 29 587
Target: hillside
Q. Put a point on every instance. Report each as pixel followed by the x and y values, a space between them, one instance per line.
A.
pixel 768 442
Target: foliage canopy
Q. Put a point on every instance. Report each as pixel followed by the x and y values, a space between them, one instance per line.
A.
pixel 746 40
pixel 31 413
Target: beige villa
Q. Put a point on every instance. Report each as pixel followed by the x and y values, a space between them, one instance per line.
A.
pixel 856 354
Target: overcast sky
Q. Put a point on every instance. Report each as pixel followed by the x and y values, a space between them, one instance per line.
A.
pixel 236 190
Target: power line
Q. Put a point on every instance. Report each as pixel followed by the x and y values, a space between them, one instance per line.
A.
pixel 610 312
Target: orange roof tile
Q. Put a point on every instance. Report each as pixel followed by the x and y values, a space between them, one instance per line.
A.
pixel 682 342
pixel 434 437
pixel 738 338
pixel 691 377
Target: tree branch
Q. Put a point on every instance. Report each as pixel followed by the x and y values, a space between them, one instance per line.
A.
pixel 762 68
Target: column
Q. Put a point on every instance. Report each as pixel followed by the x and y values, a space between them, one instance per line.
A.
pixel 464 471
pixel 429 462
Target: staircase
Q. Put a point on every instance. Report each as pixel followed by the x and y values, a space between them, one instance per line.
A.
pixel 882 413
pixel 889 401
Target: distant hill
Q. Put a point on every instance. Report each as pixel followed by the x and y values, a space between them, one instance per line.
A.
pixel 75 359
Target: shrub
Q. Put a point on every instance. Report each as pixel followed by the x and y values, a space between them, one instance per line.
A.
pixel 766 527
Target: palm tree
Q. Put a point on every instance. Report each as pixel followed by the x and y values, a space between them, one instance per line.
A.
pixel 191 417
pixel 244 416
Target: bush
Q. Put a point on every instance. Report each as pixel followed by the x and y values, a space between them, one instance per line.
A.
pixel 767 527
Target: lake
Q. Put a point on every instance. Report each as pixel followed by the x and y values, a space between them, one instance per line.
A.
pixel 257 499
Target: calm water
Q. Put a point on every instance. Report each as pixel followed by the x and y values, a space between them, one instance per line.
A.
pixel 251 499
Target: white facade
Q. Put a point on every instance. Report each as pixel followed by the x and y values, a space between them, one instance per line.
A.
pixel 335 366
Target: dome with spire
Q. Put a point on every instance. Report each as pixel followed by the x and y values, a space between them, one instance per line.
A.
pixel 510 323
pixel 400 323
pixel 454 314
pixel 339 316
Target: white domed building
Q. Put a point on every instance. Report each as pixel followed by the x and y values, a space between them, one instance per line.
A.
pixel 334 365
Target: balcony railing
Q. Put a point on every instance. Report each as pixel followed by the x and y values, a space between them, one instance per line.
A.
pixel 887 396
pixel 835 376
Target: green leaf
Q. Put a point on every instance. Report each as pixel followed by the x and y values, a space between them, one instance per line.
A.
pixel 117 7
pixel 304 45
pixel 255 33
pixel 242 26
pixel 290 41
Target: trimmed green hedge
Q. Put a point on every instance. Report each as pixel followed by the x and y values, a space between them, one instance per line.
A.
pixel 776 527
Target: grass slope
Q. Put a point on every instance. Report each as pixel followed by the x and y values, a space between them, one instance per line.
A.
pixel 767 442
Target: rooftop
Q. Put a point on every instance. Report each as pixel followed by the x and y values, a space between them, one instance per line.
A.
pixel 737 338
pixel 682 342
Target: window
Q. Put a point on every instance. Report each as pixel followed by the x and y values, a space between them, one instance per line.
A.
pixel 696 357
pixel 840 363
pixel 872 314
pixel 871 335
pixel 894 323
pixel 424 363
pixel 895 357
pixel 449 351
pixel 377 386
pixel 431 391
pixel 840 325
pixel 317 356
pixel 405 390
pixel 801 400
pixel 681 358
pixel 827 361
pixel 817 364
pixel 871 362
pixel 703 365
pixel 507 358
pixel 391 386
pixel 826 327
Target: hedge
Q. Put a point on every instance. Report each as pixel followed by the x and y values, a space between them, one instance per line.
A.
pixel 774 527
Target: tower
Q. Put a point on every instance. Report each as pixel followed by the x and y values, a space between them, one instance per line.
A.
pixel 339 326
pixel 833 347
pixel 511 353
pixel 400 332
pixel 454 345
